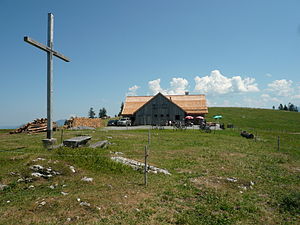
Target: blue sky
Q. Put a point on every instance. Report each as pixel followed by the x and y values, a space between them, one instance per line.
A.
pixel 237 52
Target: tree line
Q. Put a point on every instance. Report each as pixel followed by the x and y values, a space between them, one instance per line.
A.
pixel 102 112
pixel 290 107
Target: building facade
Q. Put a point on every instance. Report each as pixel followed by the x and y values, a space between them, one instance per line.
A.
pixel 160 109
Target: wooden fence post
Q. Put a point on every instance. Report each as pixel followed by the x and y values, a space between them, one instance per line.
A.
pixel 149 137
pixel 278 143
pixel 61 135
pixel 145 168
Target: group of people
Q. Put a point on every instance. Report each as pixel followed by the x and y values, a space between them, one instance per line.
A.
pixel 186 122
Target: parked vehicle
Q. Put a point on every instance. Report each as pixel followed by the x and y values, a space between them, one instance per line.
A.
pixel 124 122
pixel 112 123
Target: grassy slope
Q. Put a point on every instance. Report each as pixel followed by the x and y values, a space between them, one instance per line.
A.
pixel 258 118
pixel 197 192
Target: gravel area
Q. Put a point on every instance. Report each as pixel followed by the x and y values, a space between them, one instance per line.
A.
pixel 145 127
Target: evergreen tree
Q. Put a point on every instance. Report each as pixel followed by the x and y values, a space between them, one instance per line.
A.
pixel 121 109
pixel 291 107
pixel 92 113
pixel 102 113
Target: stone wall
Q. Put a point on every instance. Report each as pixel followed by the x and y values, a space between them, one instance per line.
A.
pixel 83 121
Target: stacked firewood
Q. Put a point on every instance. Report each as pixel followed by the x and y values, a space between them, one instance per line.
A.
pixel 82 121
pixel 36 126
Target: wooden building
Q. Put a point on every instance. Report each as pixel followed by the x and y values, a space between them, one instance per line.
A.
pixel 160 109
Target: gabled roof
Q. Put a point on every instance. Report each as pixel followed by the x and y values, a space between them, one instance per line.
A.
pixel 191 104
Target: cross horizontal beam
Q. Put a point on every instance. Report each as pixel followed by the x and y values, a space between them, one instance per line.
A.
pixel 45 48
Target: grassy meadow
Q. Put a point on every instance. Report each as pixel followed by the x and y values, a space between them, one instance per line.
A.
pixel 216 178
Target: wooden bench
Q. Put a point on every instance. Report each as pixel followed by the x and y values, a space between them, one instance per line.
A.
pixel 76 141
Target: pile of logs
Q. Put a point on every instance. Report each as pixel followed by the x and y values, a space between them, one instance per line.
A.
pixel 82 121
pixel 36 126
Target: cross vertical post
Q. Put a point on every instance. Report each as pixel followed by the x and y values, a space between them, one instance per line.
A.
pixel 49 77
pixel 50 53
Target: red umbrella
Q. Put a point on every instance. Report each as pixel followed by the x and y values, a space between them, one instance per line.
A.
pixel 200 117
pixel 189 117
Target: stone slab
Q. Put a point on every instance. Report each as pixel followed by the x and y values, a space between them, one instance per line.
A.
pixel 100 144
pixel 76 141
pixel 48 143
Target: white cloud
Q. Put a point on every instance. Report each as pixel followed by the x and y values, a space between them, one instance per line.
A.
pixel 281 87
pixel 216 84
pixel 178 86
pixel 244 85
pixel 296 97
pixel 226 103
pixel 154 86
pixel 266 98
pixel 220 90
pixel 252 102
pixel 297 92
pixel 72 115
pixel 132 90
pixel 210 103
pixel 268 75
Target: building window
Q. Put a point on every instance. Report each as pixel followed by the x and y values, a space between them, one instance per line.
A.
pixel 168 115
pixel 177 117
pixel 153 106
pixel 161 115
pixel 155 115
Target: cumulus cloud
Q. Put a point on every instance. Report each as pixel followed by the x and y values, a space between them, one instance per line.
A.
pixel 244 85
pixel 178 86
pixel 218 84
pixel 267 98
pixel 268 75
pixel 296 97
pixel 154 86
pixel 281 87
pixel 248 101
pixel 132 90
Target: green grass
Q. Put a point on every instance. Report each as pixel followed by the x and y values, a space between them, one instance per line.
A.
pixel 197 192
pixel 265 119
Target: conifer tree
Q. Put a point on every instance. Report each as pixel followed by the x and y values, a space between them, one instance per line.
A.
pixel 102 113
pixel 92 113
pixel 121 109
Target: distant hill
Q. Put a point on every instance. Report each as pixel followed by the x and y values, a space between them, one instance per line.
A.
pixel 60 122
pixel 257 118
pixel 9 127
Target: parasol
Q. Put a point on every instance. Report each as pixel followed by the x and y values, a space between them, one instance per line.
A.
pixel 189 117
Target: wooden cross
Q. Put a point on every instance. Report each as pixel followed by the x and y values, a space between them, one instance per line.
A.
pixel 50 53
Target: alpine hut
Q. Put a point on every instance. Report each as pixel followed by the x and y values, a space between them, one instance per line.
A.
pixel 160 109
